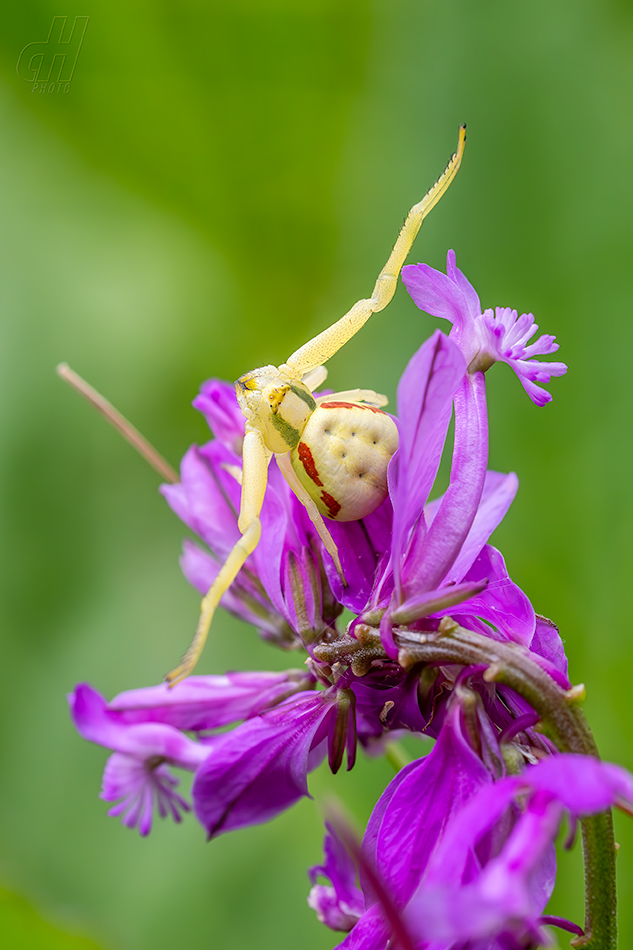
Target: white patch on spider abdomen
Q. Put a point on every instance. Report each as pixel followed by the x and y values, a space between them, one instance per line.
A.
pixel 342 458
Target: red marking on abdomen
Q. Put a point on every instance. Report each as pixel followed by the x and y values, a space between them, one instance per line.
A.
pixel 307 461
pixel 331 504
pixel 349 405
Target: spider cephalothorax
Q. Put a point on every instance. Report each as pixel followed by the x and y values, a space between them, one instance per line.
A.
pixel 279 407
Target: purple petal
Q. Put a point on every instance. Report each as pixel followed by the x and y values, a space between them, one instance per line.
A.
pixel 454 854
pixel 431 557
pixel 428 792
pixel 281 522
pixel 449 296
pixel 138 787
pixel 510 889
pixel 484 337
pixel 290 546
pixel 539 372
pixel 218 404
pixel 425 394
pixel 547 643
pixel 470 294
pixel 244 598
pixel 201 569
pixel 540 397
pixel 260 768
pixel 579 783
pixel 97 723
pixel 338 866
pixel 302 594
pixel 209 702
pixel 331 911
pixel 374 825
pixel 435 293
pixel 370 933
pixel 339 906
pixel 362 546
pixel 207 498
pixel 582 784
pixel 502 603
pixel 433 601
pixel 497 496
pixel 503 335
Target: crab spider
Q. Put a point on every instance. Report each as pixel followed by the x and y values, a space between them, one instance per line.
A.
pixel 333 450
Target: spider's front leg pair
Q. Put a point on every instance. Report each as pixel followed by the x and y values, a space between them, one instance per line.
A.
pixel 333 451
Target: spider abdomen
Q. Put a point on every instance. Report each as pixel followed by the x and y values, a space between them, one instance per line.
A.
pixel 342 458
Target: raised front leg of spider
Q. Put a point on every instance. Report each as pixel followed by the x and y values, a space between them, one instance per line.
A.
pixel 333 451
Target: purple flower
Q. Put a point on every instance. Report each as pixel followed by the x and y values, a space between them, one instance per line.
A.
pixel 410 816
pixel 242 777
pixel 409 819
pixel 340 905
pixel 488 337
pixel 138 774
pixel 144 727
pixel 407 552
pixel 474 889
pixel 469 861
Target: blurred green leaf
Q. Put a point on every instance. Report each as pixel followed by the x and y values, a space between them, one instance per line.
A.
pixel 232 115
pixel 22 928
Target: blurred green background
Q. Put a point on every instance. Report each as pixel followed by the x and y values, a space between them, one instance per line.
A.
pixel 220 181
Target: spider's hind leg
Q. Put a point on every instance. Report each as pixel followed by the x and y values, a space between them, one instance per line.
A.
pixel 284 463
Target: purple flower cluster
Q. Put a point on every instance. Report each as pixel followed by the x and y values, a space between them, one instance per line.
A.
pixel 469 860
pixel 459 849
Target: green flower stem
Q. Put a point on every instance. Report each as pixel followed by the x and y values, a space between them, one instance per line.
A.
pixel 563 721
pixel 396 756
pixel 601 922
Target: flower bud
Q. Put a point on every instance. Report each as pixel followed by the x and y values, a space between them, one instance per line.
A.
pixel 342 731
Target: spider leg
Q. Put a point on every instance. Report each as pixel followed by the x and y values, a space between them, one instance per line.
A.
pixel 315 378
pixel 283 461
pixel 255 459
pixel 318 350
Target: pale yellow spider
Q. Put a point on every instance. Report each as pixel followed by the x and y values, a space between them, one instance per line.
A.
pixel 333 451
